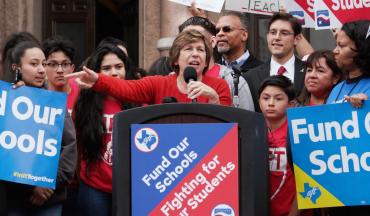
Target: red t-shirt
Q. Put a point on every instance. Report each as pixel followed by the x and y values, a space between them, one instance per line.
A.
pixel 152 89
pixel 214 71
pixel 100 173
pixel 282 183
pixel 73 94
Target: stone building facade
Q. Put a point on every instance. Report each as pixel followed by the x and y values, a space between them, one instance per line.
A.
pixel 157 24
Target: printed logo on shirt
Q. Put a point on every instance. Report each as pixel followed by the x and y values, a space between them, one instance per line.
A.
pixel 222 210
pixel 108 152
pixel 277 159
pixel 107 157
pixel 146 139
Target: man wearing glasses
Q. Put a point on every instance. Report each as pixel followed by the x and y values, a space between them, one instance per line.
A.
pixel 232 36
pixel 59 57
pixel 284 32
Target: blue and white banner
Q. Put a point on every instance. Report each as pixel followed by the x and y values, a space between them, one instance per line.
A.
pixel 31 127
pixel 185 169
pixel 331 154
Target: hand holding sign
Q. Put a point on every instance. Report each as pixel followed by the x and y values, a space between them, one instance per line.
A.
pixel 85 79
pixel 356 100
pixel 196 11
pixel 214 5
pixel 40 195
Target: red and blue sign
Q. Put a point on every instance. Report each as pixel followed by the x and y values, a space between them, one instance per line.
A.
pixel 31 127
pixel 334 13
pixel 185 169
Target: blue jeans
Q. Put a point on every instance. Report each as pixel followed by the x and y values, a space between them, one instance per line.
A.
pixel 93 202
pixel 52 210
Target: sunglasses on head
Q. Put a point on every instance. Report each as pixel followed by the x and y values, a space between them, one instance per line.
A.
pixel 227 29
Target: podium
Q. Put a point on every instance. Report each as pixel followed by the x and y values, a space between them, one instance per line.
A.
pixel 252 150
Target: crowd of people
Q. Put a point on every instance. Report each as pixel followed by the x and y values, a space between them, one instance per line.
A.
pixel 227 74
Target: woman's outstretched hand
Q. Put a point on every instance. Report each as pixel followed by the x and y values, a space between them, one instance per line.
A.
pixel 85 78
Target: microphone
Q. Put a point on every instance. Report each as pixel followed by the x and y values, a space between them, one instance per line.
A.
pixel 169 100
pixel 190 74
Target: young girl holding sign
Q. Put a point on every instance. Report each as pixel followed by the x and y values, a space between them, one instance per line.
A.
pixel 93 114
pixel 28 61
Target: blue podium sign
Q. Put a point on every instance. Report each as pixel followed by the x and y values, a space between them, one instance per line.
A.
pixel 31 127
pixel 331 154
pixel 184 169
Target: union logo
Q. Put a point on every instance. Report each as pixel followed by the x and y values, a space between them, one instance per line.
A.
pixel 146 139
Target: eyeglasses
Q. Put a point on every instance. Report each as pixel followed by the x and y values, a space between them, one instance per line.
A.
pixel 227 29
pixel 283 33
pixel 54 66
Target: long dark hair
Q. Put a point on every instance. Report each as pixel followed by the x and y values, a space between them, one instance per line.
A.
pixel 357 32
pixel 88 109
pixel 11 42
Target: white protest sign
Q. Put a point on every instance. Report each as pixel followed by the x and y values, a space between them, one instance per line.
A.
pixel 303 11
pixel 209 5
pixel 324 16
pixel 253 6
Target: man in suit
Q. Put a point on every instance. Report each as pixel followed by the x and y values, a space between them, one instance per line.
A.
pixel 283 34
pixel 231 37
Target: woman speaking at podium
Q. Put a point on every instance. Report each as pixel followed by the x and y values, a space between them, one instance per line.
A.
pixel 190 49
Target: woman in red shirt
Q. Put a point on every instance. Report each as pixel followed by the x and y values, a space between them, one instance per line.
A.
pixel 93 114
pixel 190 48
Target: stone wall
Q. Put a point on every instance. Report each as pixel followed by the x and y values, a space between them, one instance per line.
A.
pixel 20 15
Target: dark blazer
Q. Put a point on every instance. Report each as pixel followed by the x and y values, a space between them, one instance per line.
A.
pixel 251 63
pixel 255 77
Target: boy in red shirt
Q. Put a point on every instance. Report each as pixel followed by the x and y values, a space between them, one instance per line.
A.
pixel 276 94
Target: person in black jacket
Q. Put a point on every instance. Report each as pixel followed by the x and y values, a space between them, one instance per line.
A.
pixel 284 32
pixel 232 36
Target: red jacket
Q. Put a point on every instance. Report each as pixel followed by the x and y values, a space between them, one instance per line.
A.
pixel 153 89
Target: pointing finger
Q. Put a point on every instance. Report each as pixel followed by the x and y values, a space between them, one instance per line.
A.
pixel 76 74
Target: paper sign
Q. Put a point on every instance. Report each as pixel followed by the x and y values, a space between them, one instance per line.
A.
pixel 265 7
pixel 303 11
pixel 334 13
pixel 209 5
pixel 331 154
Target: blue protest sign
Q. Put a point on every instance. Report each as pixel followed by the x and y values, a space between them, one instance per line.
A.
pixel 31 127
pixel 185 169
pixel 331 151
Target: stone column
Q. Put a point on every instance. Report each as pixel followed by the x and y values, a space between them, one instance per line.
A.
pixel 158 26
pixel 172 15
pixel 149 31
pixel 20 15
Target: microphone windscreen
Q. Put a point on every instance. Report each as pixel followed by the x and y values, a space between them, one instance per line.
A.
pixel 190 74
